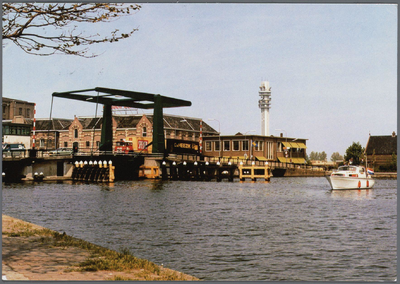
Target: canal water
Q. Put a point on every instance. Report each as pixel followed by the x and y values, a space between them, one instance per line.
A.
pixel 286 229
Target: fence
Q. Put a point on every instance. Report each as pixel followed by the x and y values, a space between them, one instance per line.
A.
pixel 246 162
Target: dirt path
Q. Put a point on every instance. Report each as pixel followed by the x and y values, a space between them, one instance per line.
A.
pixel 31 252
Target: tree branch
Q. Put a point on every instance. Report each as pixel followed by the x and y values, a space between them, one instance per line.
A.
pixel 19 19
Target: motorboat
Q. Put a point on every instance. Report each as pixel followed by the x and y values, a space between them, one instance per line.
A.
pixel 351 177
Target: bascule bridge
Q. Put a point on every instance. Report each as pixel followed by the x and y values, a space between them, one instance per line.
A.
pixel 126 166
pixel 113 97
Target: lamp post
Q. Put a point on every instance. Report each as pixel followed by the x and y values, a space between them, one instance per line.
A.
pixel 219 134
pixel 184 120
pixel 249 143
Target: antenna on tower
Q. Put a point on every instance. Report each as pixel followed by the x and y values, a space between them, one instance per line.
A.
pixel 264 104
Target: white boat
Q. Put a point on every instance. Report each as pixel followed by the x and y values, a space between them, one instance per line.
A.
pixel 351 177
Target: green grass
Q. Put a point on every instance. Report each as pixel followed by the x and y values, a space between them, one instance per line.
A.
pixel 100 259
pixel 103 258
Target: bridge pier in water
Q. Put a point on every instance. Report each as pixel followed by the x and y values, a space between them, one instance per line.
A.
pixel 200 171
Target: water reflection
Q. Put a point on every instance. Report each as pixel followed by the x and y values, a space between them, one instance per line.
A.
pixel 257 181
pixel 286 229
pixel 353 194
pixel 157 185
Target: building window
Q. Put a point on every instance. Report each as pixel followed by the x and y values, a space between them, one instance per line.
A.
pixel 208 146
pixel 20 111
pixel 65 144
pixel 227 145
pixel 41 142
pixel 279 146
pixel 88 144
pixel 97 143
pixel 75 133
pixel 144 131
pixel 270 150
pixel 216 146
pixel 28 113
pixel 235 145
pixel 259 146
pixel 245 145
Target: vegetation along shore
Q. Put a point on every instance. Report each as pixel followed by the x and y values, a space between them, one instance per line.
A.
pixel 32 252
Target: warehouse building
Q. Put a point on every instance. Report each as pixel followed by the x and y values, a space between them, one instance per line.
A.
pixel 83 133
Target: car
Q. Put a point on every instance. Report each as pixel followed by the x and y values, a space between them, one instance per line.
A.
pixel 61 152
pixel 13 147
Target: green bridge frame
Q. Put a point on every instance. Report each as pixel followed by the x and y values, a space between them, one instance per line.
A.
pixel 114 97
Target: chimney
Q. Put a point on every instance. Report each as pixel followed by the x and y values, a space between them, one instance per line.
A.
pixel 281 134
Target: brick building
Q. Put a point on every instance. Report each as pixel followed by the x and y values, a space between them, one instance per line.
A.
pixel 85 132
pixel 13 107
pixel 380 150
pixel 16 128
pixel 257 147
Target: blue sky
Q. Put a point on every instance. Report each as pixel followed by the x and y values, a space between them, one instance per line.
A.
pixel 332 68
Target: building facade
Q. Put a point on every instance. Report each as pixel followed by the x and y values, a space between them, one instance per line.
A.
pixel 257 147
pixel 84 133
pixel 16 128
pixel 381 151
pixel 16 131
pixel 13 107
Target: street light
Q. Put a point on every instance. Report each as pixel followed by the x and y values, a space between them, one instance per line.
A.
pixel 219 133
pixel 184 120
pixel 248 148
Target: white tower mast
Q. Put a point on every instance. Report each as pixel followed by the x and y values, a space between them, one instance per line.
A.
pixel 264 104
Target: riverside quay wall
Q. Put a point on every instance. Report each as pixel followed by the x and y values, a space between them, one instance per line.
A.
pixel 136 166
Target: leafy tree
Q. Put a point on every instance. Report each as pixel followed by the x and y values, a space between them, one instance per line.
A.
pixel 394 162
pixel 391 164
pixel 336 157
pixel 317 156
pixel 354 153
pixel 46 29
pixel 322 156
pixel 313 156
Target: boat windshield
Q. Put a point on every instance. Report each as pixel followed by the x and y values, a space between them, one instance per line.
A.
pixel 347 168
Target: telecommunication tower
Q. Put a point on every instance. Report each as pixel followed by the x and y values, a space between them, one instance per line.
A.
pixel 264 104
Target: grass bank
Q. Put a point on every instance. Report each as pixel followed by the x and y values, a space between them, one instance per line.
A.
pixel 92 262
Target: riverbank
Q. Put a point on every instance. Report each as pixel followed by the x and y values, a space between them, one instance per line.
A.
pixel 385 175
pixel 32 252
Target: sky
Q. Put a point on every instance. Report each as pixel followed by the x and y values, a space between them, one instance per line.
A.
pixel 332 68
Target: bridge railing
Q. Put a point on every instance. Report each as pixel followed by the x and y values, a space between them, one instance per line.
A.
pixel 246 162
pixel 33 153
pixel 40 153
pixel 15 155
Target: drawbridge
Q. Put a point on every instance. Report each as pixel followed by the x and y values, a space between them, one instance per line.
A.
pixel 114 97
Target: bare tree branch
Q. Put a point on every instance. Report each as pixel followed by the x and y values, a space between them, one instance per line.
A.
pixel 46 29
